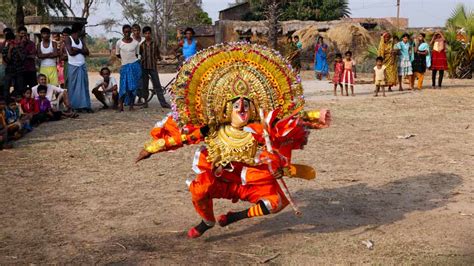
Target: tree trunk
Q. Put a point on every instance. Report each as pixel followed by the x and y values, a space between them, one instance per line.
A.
pixel 20 14
pixel 272 14
pixel 165 25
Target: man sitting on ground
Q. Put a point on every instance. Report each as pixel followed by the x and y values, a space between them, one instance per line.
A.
pixel 52 91
pixel 106 89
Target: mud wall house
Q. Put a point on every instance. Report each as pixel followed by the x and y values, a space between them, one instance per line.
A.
pixel 55 24
pixel 389 23
pixel 236 12
pixel 256 31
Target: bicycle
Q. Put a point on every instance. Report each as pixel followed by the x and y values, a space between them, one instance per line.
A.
pixel 151 93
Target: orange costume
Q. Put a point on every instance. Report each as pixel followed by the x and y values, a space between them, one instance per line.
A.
pixel 245 103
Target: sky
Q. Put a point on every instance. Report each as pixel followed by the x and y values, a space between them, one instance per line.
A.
pixel 421 13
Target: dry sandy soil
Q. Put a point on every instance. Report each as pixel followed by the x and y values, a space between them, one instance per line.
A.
pixel 71 194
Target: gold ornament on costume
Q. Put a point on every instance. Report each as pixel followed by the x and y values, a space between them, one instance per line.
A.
pixel 229 144
pixel 209 80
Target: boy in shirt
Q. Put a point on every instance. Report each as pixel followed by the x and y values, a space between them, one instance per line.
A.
pixel 46 113
pixel 150 54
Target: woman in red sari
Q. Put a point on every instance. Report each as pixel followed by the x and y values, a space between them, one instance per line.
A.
pixel 439 61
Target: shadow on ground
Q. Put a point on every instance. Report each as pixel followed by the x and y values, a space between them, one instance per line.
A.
pixel 346 208
pixel 325 211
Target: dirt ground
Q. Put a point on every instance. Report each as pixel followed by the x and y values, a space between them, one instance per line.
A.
pixel 71 194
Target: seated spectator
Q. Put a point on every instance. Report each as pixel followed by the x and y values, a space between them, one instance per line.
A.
pixel 3 127
pixel 106 89
pixel 46 113
pixel 53 92
pixel 14 125
pixel 29 107
pixel 28 103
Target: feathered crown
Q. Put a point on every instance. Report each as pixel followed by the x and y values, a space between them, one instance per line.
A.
pixel 221 73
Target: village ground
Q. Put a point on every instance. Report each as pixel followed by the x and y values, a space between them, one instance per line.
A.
pixel 70 192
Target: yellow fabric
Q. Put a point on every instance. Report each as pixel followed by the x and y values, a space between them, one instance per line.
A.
pixel 389 60
pixel 51 73
pixel 254 211
pixel 420 77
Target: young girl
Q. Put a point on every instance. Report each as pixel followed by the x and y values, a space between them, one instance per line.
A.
pixel 349 75
pixel 439 62
pixel 421 59
pixel 338 71
pixel 405 57
pixel 379 76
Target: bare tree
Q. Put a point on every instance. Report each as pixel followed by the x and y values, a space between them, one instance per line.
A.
pixel 161 13
pixel 85 6
pixel 134 11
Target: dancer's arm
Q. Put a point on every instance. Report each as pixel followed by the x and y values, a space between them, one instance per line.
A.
pixel 168 137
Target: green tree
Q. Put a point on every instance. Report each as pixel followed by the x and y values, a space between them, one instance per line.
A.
pixel 460 36
pixel 321 10
pixel 202 18
pixel 7 13
pixel 333 9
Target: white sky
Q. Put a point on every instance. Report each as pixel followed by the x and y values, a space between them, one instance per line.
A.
pixel 421 13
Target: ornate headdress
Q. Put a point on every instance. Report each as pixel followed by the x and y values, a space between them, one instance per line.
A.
pixel 215 76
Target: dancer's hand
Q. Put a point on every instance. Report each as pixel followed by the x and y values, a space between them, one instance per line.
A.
pixel 278 173
pixel 142 155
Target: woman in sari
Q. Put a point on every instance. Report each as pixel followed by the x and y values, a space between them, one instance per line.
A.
pixel 320 59
pixel 389 59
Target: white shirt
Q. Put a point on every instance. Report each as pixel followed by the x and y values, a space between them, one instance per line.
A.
pixel 142 39
pixel 379 73
pixel 112 83
pixel 47 62
pixel 128 51
pixel 49 93
pixel 76 60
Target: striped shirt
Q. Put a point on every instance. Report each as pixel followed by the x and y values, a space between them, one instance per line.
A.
pixel 150 54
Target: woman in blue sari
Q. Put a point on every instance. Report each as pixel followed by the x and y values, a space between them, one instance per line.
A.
pixel 320 59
